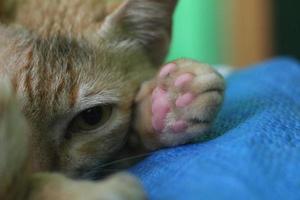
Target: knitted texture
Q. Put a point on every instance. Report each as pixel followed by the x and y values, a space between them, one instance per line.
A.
pixel 257 152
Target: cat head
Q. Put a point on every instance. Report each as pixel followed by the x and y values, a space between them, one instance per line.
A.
pixel 77 93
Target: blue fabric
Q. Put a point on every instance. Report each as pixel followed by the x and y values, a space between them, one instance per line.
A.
pixel 256 156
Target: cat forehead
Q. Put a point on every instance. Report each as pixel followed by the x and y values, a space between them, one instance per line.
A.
pixel 62 74
pixel 61 49
pixel 97 52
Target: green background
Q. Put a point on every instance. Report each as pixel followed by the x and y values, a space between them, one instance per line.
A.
pixel 197 30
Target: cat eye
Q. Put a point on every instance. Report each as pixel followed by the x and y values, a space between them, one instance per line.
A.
pixel 90 119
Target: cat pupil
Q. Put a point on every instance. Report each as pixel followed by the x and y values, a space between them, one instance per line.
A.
pixel 92 116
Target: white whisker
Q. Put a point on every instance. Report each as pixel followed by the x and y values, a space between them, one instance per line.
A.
pixel 125 159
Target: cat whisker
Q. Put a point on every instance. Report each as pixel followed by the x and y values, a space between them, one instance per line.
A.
pixel 125 159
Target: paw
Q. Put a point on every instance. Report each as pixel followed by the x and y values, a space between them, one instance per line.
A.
pixel 48 186
pixel 179 104
pixel 123 186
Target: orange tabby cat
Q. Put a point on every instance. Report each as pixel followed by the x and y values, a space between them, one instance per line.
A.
pixel 78 79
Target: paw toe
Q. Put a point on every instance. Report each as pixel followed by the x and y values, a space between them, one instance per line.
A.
pixel 167 69
pixel 179 126
pixel 184 100
pixel 183 79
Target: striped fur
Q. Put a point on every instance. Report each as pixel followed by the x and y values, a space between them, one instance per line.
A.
pixel 64 56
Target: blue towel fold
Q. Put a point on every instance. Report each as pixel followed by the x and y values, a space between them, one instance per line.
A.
pixel 257 152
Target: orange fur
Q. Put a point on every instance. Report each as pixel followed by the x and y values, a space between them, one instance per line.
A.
pixel 63 57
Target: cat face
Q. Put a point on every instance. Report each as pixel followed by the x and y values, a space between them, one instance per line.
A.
pixel 77 93
pixel 79 103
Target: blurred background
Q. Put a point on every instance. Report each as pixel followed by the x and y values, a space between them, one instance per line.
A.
pixel 236 32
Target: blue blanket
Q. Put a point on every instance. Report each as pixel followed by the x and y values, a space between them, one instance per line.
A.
pixel 257 152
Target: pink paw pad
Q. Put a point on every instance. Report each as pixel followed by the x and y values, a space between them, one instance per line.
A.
pixel 167 69
pixel 184 100
pixel 160 108
pixel 179 126
pixel 157 93
pixel 183 80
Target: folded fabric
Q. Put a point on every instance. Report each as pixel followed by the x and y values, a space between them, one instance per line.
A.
pixel 255 153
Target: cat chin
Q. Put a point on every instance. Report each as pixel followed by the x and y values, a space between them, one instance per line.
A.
pixel 87 173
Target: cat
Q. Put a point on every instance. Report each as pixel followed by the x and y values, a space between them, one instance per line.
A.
pixel 80 81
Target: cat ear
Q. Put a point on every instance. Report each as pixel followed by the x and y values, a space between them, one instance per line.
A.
pixel 147 23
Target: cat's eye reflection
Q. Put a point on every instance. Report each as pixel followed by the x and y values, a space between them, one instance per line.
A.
pixel 90 119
